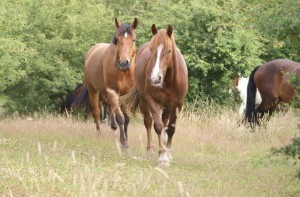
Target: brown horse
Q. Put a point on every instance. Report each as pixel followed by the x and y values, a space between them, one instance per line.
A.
pixel 272 81
pixel 108 71
pixel 161 82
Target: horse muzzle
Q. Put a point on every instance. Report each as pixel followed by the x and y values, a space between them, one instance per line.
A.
pixel 124 65
pixel 156 81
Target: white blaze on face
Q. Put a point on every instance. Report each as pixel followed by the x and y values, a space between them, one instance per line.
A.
pixel 125 35
pixel 155 70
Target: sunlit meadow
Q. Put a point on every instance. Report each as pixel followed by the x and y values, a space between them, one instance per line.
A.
pixel 56 156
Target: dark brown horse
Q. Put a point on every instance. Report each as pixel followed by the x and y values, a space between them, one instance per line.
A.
pixel 79 99
pixel 108 71
pixel 66 106
pixel 161 83
pixel 272 81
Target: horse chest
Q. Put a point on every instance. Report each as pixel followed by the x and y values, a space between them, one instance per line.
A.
pixel 124 82
pixel 164 96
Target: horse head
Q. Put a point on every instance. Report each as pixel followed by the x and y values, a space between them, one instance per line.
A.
pixel 124 39
pixel 162 49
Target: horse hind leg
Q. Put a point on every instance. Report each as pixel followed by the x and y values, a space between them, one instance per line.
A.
pixel 148 125
pixel 267 106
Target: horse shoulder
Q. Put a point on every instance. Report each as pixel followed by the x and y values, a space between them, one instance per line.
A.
pixel 93 66
pixel 181 63
pixel 182 72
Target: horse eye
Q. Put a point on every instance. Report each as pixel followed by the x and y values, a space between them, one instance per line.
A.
pixel 169 51
pixel 133 40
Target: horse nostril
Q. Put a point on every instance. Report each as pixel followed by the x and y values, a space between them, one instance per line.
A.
pixel 159 78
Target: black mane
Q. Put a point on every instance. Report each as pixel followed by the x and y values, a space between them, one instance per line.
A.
pixel 126 27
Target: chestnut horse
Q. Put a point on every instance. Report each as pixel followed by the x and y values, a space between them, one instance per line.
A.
pixel 108 71
pixel 272 81
pixel 161 82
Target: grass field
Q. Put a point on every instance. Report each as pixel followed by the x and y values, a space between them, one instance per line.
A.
pixel 54 156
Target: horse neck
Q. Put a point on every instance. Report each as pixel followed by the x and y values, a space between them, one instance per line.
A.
pixel 113 49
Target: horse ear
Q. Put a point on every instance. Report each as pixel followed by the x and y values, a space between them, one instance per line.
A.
pixel 135 23
pixel 154 29
pixel 117 23
pixel 169 31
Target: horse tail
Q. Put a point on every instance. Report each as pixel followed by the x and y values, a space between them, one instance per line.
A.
pixel 251 114
pixel 81 98
pixel 131 100
pixel 66 104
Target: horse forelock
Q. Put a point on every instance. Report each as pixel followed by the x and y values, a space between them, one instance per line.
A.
pixel 122 30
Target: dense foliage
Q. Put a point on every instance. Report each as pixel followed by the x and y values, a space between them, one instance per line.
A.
pixel 43 43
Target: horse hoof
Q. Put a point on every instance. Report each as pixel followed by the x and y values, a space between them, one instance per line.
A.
pixel 150 150
pixel 113 127
pixel 125 146
pixel 163 160
pixel 163 164
pixel 104 120
pixel 169 155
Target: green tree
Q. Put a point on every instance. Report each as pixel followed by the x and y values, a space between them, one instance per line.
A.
pixel 217 45
pixel 44 47
pixel 279 23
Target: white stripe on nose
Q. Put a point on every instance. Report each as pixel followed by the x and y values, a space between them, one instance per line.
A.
pixel 125 35
pixel 155 71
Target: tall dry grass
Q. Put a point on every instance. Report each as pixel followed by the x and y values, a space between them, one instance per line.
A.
pixel 55 156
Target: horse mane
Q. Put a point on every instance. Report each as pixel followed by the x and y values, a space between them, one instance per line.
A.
pixel 126 27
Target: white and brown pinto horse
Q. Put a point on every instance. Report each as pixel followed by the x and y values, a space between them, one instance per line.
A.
pixel 240 84
pixel 161 84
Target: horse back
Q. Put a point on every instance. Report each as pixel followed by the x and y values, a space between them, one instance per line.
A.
pixel 272 79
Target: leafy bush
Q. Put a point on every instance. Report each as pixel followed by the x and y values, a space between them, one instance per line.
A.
pixel 43 43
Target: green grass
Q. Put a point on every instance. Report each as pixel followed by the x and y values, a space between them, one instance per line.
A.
pixel 53 156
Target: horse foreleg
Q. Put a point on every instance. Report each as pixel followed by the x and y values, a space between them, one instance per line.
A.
pixel 165 120
pixel 113 98
pixel 93 96
pixel 127 119
pixel 154 107
pixel 148 125
pixel 171 129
